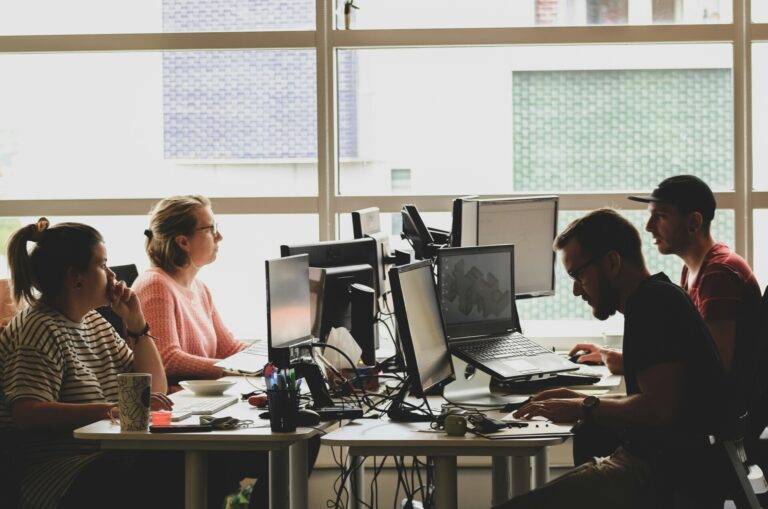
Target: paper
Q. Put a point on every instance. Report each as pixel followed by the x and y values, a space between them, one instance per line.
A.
pixel 343 340
pixel 535 428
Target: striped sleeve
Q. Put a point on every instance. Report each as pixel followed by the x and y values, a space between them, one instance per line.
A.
pixel 34 372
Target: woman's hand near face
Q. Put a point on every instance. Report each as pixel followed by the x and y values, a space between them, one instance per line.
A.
pixel 126 304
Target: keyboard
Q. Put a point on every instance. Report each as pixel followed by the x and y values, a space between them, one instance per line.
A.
pixel 513 345
pixel 202 405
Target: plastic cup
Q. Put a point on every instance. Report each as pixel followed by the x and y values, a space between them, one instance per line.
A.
pixel 161 418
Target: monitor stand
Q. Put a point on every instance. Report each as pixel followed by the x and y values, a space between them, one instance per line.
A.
pixel 475 390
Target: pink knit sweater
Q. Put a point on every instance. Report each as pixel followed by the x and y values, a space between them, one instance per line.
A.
pixel 190 334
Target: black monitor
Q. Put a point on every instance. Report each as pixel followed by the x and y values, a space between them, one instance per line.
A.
pixel 343 264
pixel 530 223
pixel 419 323
pixel 289 322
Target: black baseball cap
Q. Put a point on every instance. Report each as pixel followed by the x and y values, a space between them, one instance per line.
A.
pixel 687 192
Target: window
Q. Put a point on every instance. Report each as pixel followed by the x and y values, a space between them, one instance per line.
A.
pixel 283 116
pixel 129 125
pixel 373 14
pixel 538 119
pixel 20 17
pixel 236 279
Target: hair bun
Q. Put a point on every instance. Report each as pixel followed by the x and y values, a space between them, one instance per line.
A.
pixel 37 230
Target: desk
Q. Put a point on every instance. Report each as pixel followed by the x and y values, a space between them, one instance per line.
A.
pixel 385 438
pixel 287 453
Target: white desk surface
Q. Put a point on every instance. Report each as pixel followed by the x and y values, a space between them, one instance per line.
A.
pixel 259 437
pixel 372 434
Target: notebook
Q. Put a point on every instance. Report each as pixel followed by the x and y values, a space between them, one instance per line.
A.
pixel 249 361
pixel 477 300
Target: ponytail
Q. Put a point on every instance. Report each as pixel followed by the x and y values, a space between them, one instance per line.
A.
pixel 20 262
pixel 58 249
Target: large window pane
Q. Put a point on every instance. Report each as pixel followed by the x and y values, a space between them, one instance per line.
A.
pixel 759 11
pixel 534 119
pixel 104 125
pixel 760 115
pixel 27 17
pixel 563 306
pixel 374 14
pixel 236 279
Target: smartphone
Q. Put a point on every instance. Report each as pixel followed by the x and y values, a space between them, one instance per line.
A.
pixel 180 428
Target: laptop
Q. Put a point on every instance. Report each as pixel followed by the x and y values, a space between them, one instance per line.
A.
pixel 250 361
pixel 477 299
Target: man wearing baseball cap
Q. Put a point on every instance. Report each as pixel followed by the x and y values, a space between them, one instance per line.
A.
pixel 719 281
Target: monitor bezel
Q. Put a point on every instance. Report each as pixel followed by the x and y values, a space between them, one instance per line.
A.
pixel 294 342
pixel 465 330
pixel 406 341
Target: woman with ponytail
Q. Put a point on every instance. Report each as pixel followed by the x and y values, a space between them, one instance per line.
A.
pixel 59 361
pixel 182 238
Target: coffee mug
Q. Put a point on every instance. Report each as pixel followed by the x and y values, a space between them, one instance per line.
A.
pixel 456 425
pixel 133 392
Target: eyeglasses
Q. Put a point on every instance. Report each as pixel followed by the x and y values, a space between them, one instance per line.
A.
pixel 213 227
pixel 575 274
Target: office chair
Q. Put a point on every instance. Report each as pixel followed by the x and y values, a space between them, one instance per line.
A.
pixel 127 273
pixel 731 472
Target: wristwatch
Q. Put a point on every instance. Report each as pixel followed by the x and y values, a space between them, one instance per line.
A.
pixel 588 406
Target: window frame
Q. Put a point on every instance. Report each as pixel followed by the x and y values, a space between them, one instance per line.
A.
pixel 326 39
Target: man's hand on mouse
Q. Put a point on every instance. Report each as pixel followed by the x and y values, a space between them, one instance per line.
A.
pixel 588 352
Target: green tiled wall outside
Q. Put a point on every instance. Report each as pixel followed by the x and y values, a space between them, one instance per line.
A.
pixel 609 130
pixel 564 306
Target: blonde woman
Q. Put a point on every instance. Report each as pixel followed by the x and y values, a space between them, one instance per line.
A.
pixel 182 238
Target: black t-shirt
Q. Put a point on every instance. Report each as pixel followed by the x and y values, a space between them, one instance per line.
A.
pixel 661 325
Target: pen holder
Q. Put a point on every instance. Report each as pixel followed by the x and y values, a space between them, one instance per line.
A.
pixel 283 409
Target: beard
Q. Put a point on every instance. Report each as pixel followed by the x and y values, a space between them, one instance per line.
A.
pixel 608 301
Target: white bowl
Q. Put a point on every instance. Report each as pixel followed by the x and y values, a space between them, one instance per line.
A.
pixel 207 387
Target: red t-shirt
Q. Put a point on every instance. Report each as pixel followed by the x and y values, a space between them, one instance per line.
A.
pixel 723 283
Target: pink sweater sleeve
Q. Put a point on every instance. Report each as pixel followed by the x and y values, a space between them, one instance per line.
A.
pixel 158 303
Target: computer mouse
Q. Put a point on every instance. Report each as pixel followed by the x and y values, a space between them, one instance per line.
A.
pixel 307 417
pixel 575 358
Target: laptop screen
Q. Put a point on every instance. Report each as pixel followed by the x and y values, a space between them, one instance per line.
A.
pixel 476 288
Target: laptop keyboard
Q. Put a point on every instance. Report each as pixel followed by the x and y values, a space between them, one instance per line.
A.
pixel 513 345
pixel 203 405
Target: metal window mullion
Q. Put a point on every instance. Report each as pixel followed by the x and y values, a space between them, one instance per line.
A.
pixel 742 157
pixel 531 35
pixel 759 31
pixel 155 42
pixel 326 125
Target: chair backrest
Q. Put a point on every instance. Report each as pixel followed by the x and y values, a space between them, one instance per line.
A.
pixel 7 306
pixel 127 273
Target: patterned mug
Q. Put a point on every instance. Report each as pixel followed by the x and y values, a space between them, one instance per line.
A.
pixel 133 390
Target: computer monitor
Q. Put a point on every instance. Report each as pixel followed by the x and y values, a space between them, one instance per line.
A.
pixel 366 223
pixel 530 223
pixel 289 322
pixel 428 362
pixel 343 264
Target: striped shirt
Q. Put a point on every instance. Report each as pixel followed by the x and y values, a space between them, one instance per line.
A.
pixel 46 357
